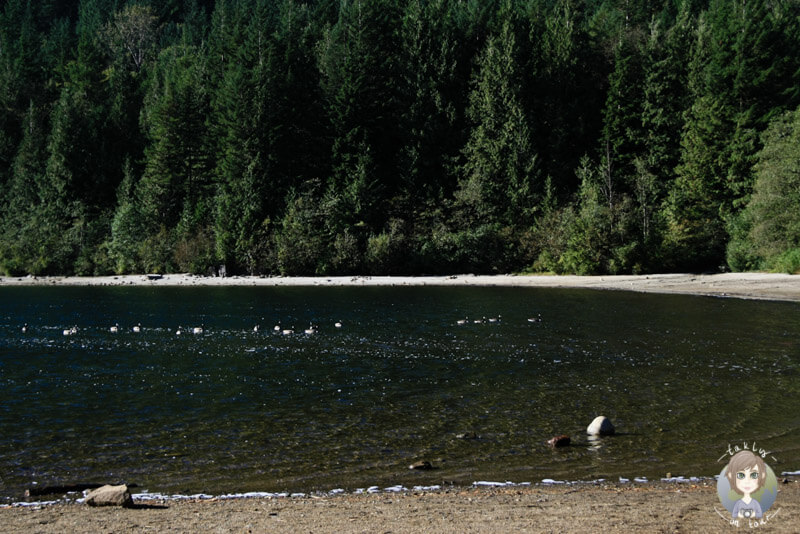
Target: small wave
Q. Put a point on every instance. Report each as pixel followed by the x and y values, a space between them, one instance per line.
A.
pixel 147 497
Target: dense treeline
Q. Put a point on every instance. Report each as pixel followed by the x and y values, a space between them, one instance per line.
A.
pixel 399 136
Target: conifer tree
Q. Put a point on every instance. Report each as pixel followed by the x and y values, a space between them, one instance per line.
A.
pixel 499 182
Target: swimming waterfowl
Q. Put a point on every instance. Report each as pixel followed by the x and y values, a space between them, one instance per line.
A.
pixel 312 329
pixel 288 331
pixel 179 331
pixel 70 331
pixel 462 321
pixel 137 328
pixel 277 327
pixel 114 329
pixel 338 324
pixel 537 319
pixel 24 328
pixel 198 329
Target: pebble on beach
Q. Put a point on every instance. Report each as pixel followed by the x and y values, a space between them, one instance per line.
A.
pixel 601 426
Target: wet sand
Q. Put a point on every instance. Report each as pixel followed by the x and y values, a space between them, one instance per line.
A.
pixel 769 286
pixel 648 507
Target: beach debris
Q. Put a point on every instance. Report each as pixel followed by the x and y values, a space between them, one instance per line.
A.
pixel 601 426
pixel 559 441
pixel 39 491
pixel 423 465
pixel 110 496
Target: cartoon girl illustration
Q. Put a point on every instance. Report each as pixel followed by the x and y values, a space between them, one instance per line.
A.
pixel 746 473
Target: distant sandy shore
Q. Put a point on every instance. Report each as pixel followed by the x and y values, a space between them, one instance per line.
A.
pixel 769 286
pixel 648 507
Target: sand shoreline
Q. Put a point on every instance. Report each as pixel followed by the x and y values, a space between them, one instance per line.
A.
pixel 766 286
pixel 581 507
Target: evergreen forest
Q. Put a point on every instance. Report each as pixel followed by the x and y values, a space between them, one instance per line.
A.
pixel 373 137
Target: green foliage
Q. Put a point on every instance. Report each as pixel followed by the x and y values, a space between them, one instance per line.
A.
pixel 386 136
pixel 301 243
pixel 499 180
pixel 768 230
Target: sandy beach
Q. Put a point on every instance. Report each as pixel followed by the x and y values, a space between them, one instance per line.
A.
pixel 631 507
pixel 769 286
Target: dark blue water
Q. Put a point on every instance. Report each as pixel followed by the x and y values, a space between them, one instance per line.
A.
pixel 236 410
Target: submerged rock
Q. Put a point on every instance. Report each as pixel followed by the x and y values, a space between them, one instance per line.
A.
pixel 559 441
pixel 421 466
pixel 110 496
pixel 601 426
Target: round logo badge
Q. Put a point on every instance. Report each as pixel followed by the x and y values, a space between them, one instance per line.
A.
pixel 747 487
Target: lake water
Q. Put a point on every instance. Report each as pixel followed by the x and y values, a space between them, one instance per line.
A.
pixel 233 410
